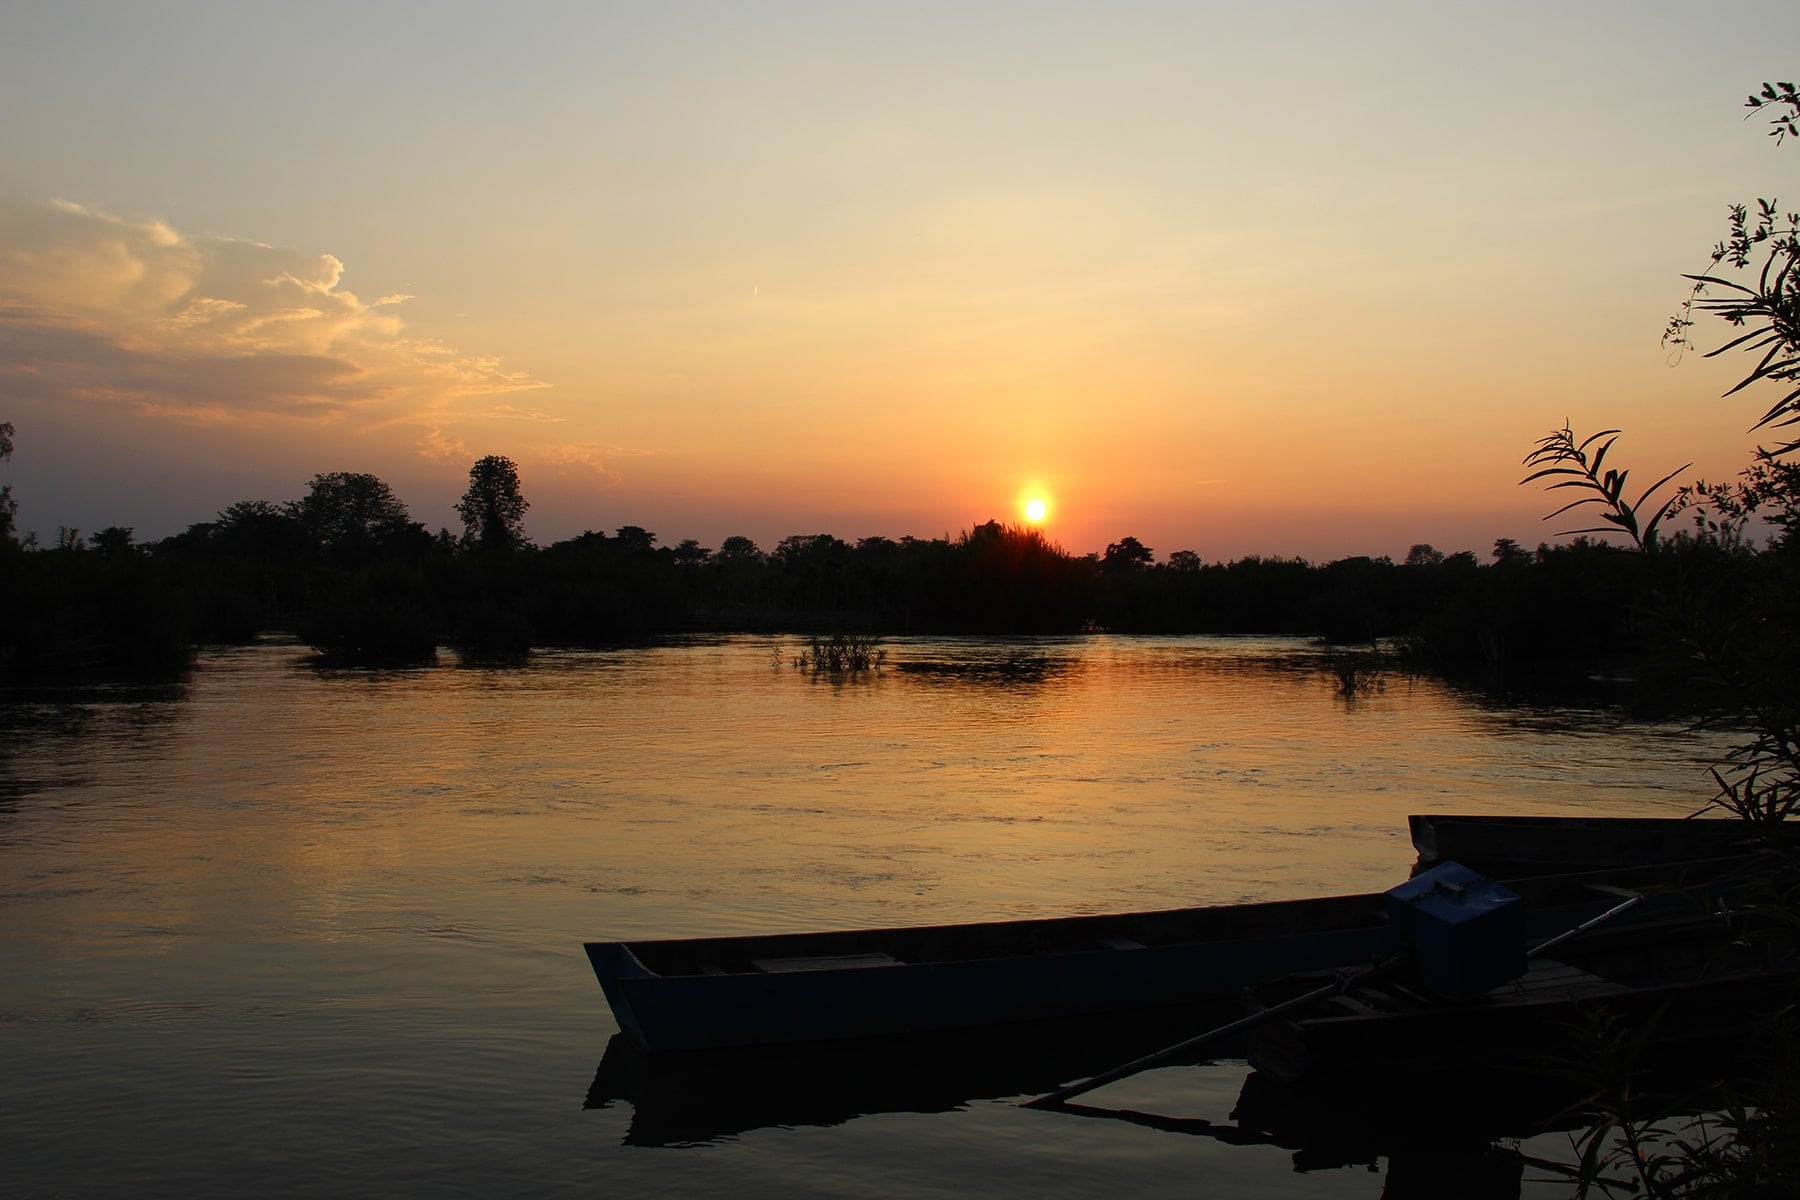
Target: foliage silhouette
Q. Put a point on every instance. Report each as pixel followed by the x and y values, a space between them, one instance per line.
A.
pixel 353 518
pixel 493 509
pixel 1560 457
pixel 1722 623
pixel 347 569
pixel 9 508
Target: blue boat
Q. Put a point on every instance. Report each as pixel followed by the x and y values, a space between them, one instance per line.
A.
pixel 712 993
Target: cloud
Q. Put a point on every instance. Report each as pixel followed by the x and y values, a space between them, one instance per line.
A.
pixel 97 309
pixel 586 459
pixel 511 412
pixel 438 445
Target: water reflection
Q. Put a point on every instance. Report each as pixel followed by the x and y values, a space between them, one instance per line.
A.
pixel 698 1097
pixel 1429 1148
pixel 57 738
pixel 1427 1145
pixel 1008 668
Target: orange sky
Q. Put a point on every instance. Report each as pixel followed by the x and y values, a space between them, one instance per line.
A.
pixel 1306 281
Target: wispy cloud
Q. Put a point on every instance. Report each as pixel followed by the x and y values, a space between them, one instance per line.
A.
pixel 99 309
pixel 436 444
pixel 594 459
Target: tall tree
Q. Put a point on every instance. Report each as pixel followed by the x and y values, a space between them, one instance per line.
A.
pixel 634 539
pixel 349 515
pixel 260 529
pixel 493 509
pixel 8 507
pixel 738 549
pixel 1127 556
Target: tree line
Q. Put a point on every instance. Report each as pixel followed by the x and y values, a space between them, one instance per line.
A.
pixel 347 569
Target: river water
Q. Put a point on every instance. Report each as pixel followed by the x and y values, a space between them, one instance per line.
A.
pixel 282 930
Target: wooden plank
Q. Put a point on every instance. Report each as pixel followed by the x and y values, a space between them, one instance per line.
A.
pixel 826 962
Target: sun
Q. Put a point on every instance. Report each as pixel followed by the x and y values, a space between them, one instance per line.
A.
pixel 1036 509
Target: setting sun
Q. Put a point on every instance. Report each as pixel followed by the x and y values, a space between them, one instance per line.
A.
pixel 1036 509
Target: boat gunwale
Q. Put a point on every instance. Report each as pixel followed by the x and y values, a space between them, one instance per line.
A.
pixel 732 955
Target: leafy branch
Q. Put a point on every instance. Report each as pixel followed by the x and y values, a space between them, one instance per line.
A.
pixel 1560 457
pixel 1770 305
pixel 1780 95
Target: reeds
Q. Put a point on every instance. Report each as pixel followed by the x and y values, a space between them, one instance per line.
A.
pixel 1357 672
pixel 841 654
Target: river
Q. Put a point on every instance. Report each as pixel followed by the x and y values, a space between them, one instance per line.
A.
pixel 283 930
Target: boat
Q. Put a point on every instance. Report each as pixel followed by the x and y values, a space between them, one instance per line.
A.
pixel 1687 988
pixel 708 993
pixel 1512 846
pixel 704 993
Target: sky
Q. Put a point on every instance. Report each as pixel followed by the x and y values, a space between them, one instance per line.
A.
pixel 1307 280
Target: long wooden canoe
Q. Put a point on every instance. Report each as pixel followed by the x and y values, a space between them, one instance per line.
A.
pixel 701 993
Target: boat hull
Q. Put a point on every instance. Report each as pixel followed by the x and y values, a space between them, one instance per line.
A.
pixel 712 993
pixel 690 1012
pixel 1508 845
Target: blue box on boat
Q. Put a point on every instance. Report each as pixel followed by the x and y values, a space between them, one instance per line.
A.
pixel 1466 932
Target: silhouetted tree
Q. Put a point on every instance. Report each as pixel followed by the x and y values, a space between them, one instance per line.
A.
pixel 1184 560
pixel 690 553
pixel 259 530
pixel 739 550
pixel 633 539
pixel 349 516
pixel 1424 554
pixel 113 541
pixel 1127 555
pixel 814 567
pixel 1005 579
pixel 8 507
pixel 493 509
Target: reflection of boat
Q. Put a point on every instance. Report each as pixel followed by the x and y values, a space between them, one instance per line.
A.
pixel 686 1097
pixel 1688 988
pixel 1501 845
pixel 1434 1144
pixel 704 993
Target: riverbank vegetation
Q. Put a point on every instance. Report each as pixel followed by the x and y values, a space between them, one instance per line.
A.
pixel 347 569
pixel 1721 621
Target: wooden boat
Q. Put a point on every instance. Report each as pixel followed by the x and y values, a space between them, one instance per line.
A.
pixel 1511 846
pixel 1690 986
pixel 701 993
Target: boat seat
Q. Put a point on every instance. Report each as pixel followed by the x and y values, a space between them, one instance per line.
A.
pixel 825 962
